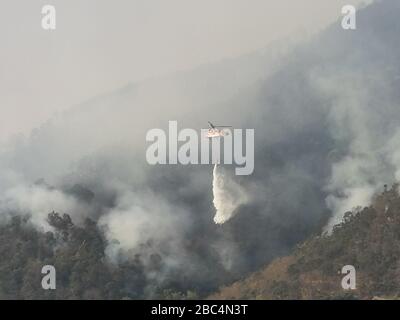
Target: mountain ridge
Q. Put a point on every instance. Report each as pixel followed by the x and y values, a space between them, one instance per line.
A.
pixel 368 239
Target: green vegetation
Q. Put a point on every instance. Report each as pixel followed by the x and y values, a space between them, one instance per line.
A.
pixel 368 239
pixel 77 253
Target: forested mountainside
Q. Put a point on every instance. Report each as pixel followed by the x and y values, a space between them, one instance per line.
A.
pixel 368 239
pixel 78 255
pixel 327 137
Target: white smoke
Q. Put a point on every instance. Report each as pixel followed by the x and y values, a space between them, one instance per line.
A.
pixel 139 218
pixel 228 196
pixel 368 139
pixel 38 201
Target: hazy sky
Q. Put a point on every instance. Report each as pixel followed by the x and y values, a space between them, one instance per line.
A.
pixel 100 45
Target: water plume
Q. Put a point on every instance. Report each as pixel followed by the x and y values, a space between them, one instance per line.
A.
pixel 228 196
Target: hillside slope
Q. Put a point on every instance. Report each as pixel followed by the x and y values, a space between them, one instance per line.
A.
pixel 368 239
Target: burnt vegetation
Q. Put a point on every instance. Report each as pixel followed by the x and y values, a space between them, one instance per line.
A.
pixel 368 238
